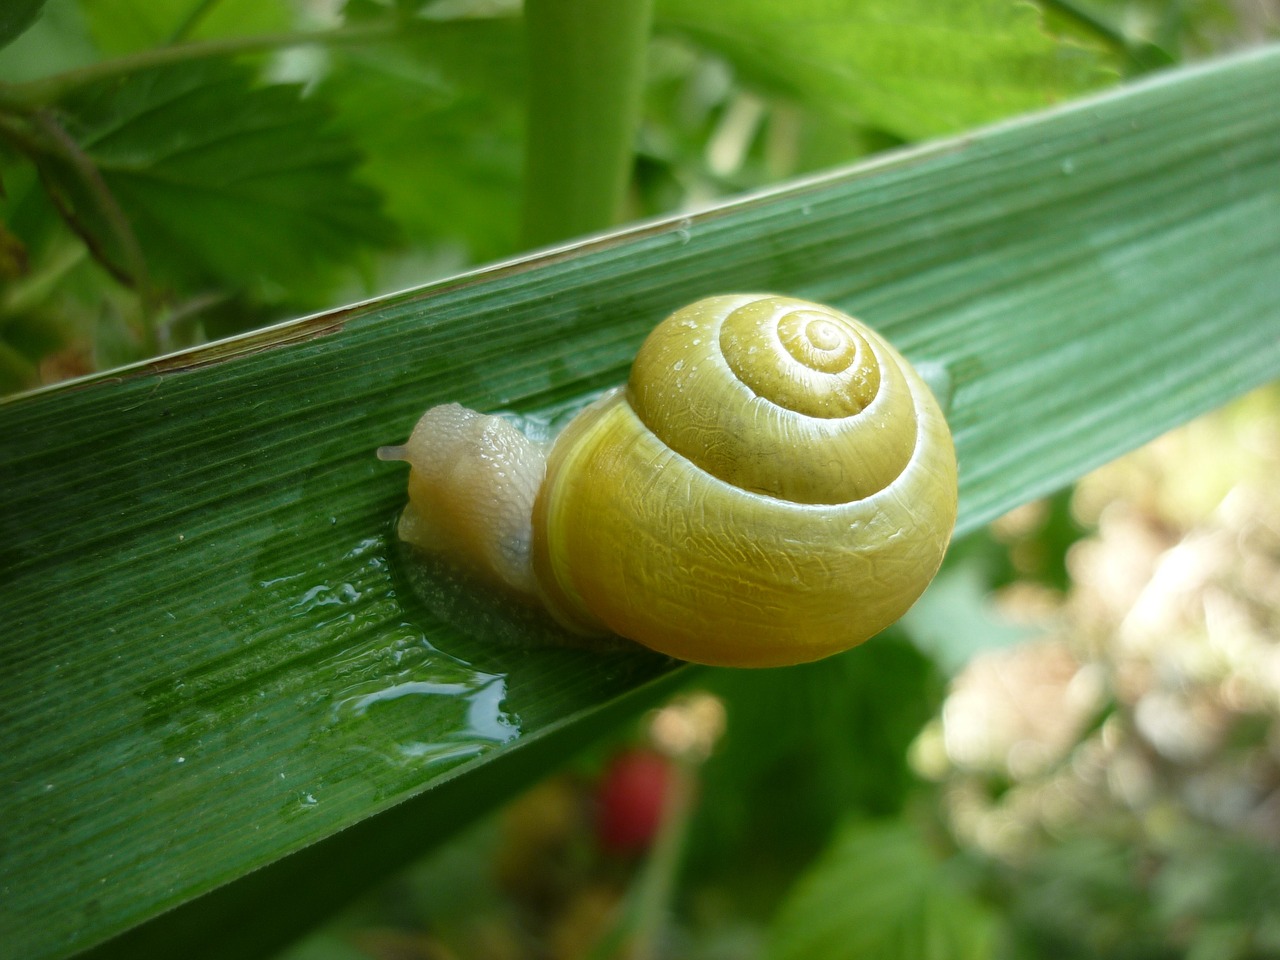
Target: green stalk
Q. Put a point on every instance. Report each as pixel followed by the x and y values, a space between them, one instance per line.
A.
pixel 639 929
pixel 657 883
pixel 586 72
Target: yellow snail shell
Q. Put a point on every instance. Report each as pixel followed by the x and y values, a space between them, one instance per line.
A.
pixel 774 484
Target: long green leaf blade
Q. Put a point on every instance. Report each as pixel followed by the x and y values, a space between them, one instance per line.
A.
pixel 208 660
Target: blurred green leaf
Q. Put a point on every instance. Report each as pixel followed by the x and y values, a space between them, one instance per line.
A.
pixel 58 40
pixel 1224 881
pixel 806 745
pixel 222 182
pixel 122 26
pixel 329 948
pixel 955 620
pixel 16 16
pixel 915 69
pixel 1085 898
pixel 880 892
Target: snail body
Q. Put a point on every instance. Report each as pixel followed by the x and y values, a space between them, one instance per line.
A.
pixel 774 484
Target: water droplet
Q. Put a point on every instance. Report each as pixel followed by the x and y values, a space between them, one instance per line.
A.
pixel 324 595
pixel 479 697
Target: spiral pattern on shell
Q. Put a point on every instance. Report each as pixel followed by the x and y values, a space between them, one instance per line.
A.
pixel 776 396
pixel 775 483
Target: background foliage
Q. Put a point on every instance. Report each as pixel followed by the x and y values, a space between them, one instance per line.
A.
pixel 154 201
pixel 175 171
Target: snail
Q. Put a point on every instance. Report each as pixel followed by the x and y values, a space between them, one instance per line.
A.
pixel 774 484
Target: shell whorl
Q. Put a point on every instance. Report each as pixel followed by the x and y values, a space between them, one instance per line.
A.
pixel 777 396
pixel 774 484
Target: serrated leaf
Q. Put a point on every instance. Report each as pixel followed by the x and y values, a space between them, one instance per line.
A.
pixel 222 182
pixel 438 114
pixel 217 693
pixel 880 892
pixel 914 69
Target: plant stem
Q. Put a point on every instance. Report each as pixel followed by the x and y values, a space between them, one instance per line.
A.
pixel 658 881
pixel 25 97
pixel 134 271
pixel 638 930
pixel 586 73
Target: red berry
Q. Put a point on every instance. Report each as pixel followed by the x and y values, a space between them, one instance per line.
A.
pixel 631 796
